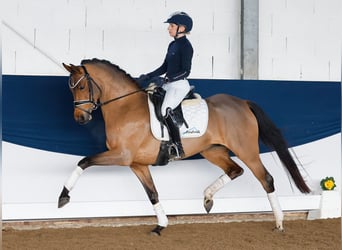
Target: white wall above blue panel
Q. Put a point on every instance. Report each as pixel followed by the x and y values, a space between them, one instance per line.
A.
pixel 297 40
pixel 129 33
pixel 300 40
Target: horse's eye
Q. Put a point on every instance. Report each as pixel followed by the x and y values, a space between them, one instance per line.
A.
pixel 81 87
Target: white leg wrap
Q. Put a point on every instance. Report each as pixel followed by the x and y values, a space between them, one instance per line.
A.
pixel 162 218
pixel 70 183
pixel 278 213
pixel 216 185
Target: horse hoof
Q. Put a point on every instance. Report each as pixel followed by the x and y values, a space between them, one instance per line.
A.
pixel 157 230
pixel 63 201
pixel 278 229
pixel 208 204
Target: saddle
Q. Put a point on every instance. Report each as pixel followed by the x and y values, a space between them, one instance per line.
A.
pixel 191 117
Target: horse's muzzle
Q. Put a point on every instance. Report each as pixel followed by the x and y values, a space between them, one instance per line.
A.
pixel 82 117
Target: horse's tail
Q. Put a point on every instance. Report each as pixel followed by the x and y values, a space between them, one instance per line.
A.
pixel 271 136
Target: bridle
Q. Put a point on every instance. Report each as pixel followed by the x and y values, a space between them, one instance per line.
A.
pixel 91 82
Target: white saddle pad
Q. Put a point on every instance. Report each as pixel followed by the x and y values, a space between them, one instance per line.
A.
pixel 195 113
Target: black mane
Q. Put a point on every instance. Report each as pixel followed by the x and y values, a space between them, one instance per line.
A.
pixel 106 62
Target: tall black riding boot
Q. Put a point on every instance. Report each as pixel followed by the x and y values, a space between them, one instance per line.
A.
pixel 174 134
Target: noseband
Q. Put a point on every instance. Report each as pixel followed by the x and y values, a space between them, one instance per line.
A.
pixel 91 82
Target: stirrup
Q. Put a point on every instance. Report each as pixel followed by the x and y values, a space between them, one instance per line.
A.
pixel 176 152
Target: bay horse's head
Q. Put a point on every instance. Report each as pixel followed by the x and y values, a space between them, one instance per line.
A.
pixel 85 91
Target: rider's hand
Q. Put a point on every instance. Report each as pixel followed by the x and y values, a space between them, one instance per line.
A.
pixel 143 79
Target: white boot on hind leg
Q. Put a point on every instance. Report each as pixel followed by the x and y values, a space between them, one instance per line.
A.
pixel 212 189
pixel 278 213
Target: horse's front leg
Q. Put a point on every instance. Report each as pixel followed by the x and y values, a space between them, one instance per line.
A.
pixel 144 175
pixel 105 158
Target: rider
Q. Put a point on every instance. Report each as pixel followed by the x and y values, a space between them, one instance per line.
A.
pixel 176 67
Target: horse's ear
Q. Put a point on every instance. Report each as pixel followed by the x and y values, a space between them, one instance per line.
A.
pixel 67 67
pixel 71 68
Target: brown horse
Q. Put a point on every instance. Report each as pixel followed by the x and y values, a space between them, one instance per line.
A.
pixel 234 125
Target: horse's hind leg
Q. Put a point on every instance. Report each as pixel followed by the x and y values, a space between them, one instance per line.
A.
pixel 266 180
pixel 219 156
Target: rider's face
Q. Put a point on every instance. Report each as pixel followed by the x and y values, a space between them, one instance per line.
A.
pixel 173 29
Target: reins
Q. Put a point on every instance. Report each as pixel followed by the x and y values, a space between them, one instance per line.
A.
pixel 120 97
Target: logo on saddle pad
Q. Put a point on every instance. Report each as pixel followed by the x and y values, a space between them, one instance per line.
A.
pixel 195 112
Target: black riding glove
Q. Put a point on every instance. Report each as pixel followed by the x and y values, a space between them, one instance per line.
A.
pixel 143 80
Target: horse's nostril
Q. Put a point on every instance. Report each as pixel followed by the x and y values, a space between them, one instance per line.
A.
pixel 80 119
pixel 83 119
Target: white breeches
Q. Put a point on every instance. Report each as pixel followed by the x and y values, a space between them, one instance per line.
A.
pixel 175 92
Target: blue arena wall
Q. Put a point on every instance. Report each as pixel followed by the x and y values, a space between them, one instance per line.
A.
pixel 38 111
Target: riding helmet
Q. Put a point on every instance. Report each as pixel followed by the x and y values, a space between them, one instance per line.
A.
pixel 181 18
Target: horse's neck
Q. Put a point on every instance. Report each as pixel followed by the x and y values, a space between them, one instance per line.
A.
pixel 113 85
pixel 125 100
